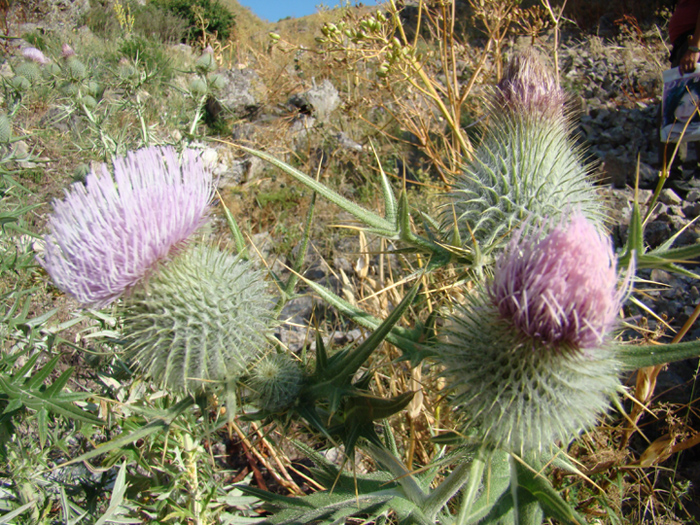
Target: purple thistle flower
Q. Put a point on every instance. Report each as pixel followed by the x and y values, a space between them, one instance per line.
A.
pixel 560 288
pixel 529 88
pixel 67 51
pixel 108 234
pixel 33 54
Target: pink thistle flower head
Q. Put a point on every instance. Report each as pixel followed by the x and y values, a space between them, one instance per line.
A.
pixel 529 88
pixel 560 288
pixel 107 235
pixel 35 55
pixel 67 51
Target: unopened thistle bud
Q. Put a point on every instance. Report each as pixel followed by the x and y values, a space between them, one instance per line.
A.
pixel 206 63
pixel 276 381
pixel 529 360
pixel 198 322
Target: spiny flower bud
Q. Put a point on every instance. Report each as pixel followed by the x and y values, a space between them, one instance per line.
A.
pixel 109 233
pixel 29 70
pixel 20 83
pixel 206 63
pixel 76 69
pixel 276 381
pixel 67 51
pixel 529 88
pixel 35 55
pixel 199 321
pixel 527 361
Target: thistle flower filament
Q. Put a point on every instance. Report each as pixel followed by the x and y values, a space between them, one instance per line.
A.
pixel 108 234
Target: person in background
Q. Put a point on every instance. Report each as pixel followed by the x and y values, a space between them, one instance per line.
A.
pixel 685 54
pixel 681 31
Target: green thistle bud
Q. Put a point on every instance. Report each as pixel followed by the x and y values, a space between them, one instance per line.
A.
pixel 29 70
pixel 19 83
pixel 198 322
pixel 93 88
pixel 276 381
pixel 206 63
pixel 217 82
pixel 69 89
pixel 76 69
pixel 5 129
pixel 51 70
pixel 527 166
pixel 89 102
pixel 198 86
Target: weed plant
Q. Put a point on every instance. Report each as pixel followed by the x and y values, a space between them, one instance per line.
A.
pixel 142 374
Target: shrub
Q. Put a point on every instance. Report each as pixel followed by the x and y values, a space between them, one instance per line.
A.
pixel 218 19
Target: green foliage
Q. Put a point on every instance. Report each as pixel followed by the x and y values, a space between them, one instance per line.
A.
pixel 208 14
pixel 150 21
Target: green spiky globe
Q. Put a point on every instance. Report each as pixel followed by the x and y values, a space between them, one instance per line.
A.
pixel 29 70
pixel 76 69
pixel 199 321
pixel 276 381
pixel 516 392
pixel 526 168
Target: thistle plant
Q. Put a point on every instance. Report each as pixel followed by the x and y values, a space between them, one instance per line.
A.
pixel 112 232
pixel 529 359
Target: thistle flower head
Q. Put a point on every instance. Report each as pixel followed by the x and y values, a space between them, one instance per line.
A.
pixel 35 55
pixel 560 288
pixel 108 234
pixel 199 321
pixel 527 361
pixel 67 51
pixel 529 88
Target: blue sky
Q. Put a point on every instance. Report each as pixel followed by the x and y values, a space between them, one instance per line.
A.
pixel 273 10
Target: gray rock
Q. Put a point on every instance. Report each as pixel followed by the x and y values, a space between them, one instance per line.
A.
pixel 320 101
pixel 242 92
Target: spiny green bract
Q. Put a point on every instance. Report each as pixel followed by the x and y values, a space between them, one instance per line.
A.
pixel 275 381
pixel 29 70
pixel 199 321
pixel 517 392
pixel 76 69
pixel 525 168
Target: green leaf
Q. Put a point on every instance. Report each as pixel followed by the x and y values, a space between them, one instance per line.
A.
pixel 365 216
pixel 121 441
pixel 241 246
pixel 549 499
pixel 341 371
pixel 397 336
